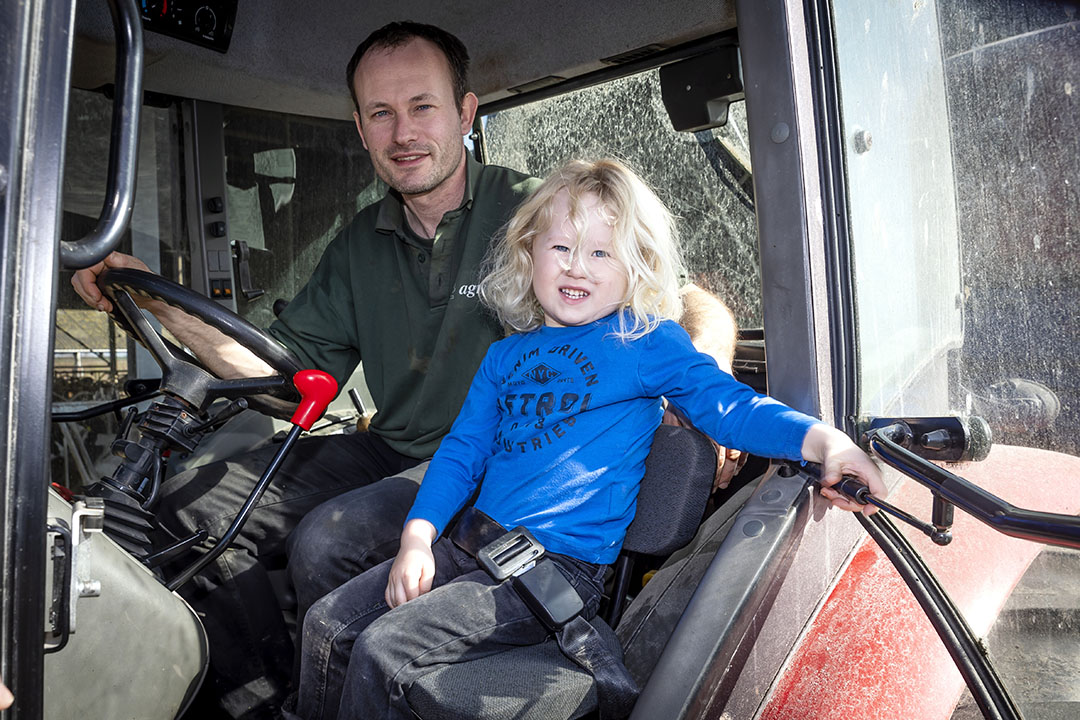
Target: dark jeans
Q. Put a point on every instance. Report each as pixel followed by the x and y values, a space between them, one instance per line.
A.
pixel 347 535
pixel 250 648
pixel 358 658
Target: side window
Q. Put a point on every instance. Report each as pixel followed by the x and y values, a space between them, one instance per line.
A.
pixel 961 165
pixel 704 177
pixel 293 183
pixel 962 162
pixel 902 206
pixel 92 359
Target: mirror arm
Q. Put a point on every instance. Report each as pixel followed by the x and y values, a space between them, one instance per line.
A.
pixel 953 490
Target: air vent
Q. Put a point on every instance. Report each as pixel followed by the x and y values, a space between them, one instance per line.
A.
pixel 537 84
pixel 632 55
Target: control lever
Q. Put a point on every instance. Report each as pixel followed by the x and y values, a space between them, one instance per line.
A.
pixel 860 493
pixel 316 390
pixel 235 407
pixel 178 547
pixel 357 402
pixel 363 419
pixel 243 271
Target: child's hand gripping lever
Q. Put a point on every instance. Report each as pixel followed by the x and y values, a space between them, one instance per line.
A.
pixel 858 492
pixel 316 390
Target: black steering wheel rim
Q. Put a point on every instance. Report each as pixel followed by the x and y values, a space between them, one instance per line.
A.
pixel 138 282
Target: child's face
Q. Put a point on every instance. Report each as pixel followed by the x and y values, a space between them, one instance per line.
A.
pixel 577 282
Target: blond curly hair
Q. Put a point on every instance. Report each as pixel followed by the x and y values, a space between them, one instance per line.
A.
pixel 644 243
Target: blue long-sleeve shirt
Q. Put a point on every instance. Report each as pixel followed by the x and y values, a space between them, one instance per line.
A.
pixel 558 422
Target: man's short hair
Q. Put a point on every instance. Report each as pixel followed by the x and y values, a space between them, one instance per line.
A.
pixel 396 34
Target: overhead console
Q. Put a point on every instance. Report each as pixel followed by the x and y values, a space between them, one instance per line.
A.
pixel 202 22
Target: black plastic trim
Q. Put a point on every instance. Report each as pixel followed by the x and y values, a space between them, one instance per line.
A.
pixel 777 139
pixel 843 344
pixel 614 72
pixel 712 641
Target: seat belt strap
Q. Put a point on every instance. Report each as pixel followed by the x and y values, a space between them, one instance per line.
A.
pixel 551 597
pixel 616 691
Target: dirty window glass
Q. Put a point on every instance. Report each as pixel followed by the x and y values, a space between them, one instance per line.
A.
pixel 293 183
pixel 902 210
pixel 962 159
pixel 704 177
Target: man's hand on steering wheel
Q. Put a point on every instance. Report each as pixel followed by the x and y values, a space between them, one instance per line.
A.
pixel 229 348
pixel 226 356
pixel 85 281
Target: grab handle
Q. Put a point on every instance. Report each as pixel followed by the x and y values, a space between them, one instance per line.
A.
pixel 123 145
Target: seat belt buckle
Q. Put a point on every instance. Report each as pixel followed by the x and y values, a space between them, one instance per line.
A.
pixel 510 554
pixel 549 595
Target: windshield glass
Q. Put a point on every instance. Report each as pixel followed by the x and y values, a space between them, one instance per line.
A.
pixel 961 157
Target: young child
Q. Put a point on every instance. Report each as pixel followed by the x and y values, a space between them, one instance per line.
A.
pixel 556 425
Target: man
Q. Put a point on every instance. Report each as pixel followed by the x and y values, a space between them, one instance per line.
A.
pixel 387 291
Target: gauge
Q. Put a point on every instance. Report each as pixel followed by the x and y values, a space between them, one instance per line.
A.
pixel 205 20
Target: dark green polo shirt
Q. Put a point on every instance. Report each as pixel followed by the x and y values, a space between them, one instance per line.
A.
pixel 407 307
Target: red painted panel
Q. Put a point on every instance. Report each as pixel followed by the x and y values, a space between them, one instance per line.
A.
pixel 871 652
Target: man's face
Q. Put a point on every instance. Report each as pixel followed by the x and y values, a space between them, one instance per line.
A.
pixel 408 120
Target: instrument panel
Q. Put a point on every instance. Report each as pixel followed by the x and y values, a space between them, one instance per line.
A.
pixel 208 23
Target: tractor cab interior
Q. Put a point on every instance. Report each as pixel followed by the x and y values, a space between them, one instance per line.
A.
pixel 844 178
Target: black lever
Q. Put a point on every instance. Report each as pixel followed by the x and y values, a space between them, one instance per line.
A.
pixel 857 491
pixel 243 271
pixel 107 407
pixel 235 407
pixel 152 561
pixel 241 517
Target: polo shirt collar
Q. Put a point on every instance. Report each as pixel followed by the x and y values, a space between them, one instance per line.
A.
pixel 392 212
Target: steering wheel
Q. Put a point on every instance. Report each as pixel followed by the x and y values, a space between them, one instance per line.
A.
pixel 182 374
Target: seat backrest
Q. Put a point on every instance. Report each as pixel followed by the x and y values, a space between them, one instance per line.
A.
pixel 678 479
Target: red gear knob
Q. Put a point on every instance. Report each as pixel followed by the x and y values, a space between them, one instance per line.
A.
pixel 316 389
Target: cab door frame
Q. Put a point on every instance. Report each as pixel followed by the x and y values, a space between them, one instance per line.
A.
pixel 36 37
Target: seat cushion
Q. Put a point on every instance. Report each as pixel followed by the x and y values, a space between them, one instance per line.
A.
pixel 534 682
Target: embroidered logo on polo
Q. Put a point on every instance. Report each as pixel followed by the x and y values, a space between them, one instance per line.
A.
pixel 541 373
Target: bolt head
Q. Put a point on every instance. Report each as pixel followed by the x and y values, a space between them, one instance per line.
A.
pixel 863 141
